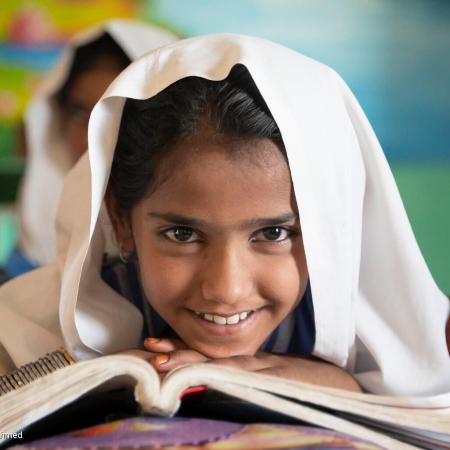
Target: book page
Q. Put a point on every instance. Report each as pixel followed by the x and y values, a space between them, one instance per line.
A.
pixel 437 420
pixel 44 396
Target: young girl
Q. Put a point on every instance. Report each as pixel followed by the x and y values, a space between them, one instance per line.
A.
pixel 244 185
pixel 56 126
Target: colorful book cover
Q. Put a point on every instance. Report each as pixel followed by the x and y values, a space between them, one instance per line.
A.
pixel 183 434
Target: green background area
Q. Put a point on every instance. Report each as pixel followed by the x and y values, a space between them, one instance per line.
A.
pixel 425 190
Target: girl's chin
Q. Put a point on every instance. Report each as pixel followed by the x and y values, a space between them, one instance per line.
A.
pixel 221 352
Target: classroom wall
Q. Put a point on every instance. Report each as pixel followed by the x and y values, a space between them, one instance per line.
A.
pixel 392 53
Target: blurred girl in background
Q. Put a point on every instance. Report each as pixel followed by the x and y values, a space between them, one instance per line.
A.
pixel 56 127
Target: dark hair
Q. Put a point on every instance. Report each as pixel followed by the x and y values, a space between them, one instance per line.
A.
pixel 232 108
pixel 102 50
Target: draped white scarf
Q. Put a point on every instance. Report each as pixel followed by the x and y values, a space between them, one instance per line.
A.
pixel 378 312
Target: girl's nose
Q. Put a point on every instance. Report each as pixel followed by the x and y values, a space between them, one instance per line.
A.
pixel 226 278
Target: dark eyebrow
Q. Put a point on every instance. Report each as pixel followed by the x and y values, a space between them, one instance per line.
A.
pixel 270 221
pixel 253 223
pixel 176 218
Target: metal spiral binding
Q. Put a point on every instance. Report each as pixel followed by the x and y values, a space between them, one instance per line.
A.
pixel 34 370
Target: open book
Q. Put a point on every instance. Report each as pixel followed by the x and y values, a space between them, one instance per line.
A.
pixel 391 422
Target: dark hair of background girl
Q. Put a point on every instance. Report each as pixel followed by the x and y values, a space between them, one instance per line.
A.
pixel 233 108
pixel 102 51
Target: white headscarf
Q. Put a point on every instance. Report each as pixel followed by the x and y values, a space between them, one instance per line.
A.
pixel 378 312
pixel 48 158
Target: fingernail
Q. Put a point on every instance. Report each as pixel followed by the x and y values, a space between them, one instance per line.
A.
pixel 161 359
pixel 152 340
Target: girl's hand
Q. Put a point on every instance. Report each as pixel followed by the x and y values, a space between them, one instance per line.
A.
pixel 295 368
pixel 171 353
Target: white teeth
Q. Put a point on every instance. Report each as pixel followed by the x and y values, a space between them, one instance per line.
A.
pixel 221 320
pixel 233 319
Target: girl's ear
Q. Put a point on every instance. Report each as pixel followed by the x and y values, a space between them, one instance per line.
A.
pixel 120 223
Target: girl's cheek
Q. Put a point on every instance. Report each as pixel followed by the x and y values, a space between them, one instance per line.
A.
pixel 167 280
pixel 283 279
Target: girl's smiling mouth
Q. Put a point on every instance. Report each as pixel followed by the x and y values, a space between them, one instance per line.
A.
pixel 224 320
pixel 222 325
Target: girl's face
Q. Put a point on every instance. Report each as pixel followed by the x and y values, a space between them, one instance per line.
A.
pixel 219 244
pixel 86 90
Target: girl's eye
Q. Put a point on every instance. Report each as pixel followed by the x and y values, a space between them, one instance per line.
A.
pixel 181 234
pixel 276 234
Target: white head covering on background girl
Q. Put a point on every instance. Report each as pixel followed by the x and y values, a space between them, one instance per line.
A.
pixel 378 312
pixel 48 158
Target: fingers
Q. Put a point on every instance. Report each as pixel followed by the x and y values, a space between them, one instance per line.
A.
pixel 165 362
pixel 163 345
pixel 171 353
